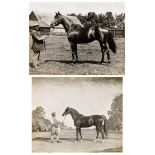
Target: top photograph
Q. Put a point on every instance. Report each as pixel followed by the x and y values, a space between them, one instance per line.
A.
pixel 67 38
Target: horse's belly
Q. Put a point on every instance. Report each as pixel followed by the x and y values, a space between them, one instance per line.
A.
pixel 80 38
pixel 84 41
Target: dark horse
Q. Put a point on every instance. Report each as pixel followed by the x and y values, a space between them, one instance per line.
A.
pixel 78 34
pixel 81 121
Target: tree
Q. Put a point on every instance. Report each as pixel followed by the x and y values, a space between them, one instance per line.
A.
pixel 115 120
pixel 92 17
pixel 71 14
pixel 38 119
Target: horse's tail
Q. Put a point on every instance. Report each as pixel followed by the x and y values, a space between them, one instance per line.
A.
pixel 111 43
pixel 105 124
pixel 106 127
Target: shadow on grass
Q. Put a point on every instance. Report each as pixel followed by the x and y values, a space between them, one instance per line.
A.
pixel 66 139
pixel 120 149
pixel 49 140
pixel 79 62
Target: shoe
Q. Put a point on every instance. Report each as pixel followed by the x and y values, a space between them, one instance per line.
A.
pixel 58 141
pixel 36 66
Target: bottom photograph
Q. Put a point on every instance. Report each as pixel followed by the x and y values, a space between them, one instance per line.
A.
pixel 77 114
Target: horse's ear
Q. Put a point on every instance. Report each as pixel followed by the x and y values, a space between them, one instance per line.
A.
pixel 56 13
pixel 59 13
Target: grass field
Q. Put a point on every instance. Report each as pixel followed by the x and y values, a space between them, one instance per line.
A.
pixel 41 142
pixel 57 58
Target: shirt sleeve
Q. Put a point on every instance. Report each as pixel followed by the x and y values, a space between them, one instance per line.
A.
pixel 53 121
pixel 35 34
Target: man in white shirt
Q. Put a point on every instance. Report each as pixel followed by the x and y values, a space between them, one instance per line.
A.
pixel 55 128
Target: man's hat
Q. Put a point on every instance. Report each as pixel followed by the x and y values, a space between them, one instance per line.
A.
pixel 35 24
pixel 53 114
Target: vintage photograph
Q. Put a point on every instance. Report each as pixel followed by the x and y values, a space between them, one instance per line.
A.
pixel 77 114
pixel 68 38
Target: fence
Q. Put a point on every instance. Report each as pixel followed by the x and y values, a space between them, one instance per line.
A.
pixel 119 33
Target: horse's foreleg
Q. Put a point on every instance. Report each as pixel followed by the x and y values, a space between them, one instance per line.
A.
pixel 77 59
pixel 77 130
pixel 74 52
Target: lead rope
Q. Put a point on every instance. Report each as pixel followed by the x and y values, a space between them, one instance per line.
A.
pixel 64 119
pixel 52 30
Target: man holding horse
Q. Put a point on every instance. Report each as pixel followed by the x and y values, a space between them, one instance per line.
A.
pixel 37 45
pixel 55 128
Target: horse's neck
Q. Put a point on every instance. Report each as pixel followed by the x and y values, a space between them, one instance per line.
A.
pixel 67 24
pixel 75 114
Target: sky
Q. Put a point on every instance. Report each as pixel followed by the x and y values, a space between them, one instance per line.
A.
pixel 83 8
pixel 87 95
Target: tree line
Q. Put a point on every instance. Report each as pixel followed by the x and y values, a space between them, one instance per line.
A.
pixel 107 20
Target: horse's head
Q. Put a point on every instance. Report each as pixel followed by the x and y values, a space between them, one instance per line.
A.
pixel 58 18
pixel 66 112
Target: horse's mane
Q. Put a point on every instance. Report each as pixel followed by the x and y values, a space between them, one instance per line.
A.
pixel 73 21
pixel 76 112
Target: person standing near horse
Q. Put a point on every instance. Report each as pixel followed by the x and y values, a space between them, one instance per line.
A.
pixel 55 128
pixel 37 45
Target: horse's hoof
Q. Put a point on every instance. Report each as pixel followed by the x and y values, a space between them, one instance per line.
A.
pixel 95 140
pixel 102 141
pixel 81 140
pixel 102 62
pixel 75 141
pixel 109 61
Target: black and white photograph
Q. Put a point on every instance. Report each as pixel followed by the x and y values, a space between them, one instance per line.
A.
pixel 67 38
pixel 75 114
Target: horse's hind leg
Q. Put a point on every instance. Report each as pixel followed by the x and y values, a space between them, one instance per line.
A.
pixel 97 131
pixel 101 131
pixel 107 52
pixel 103 52
pixel 74 52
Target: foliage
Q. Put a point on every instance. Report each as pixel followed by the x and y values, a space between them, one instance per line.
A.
pixel 107 20
pixel 39 123
pixel 115 120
